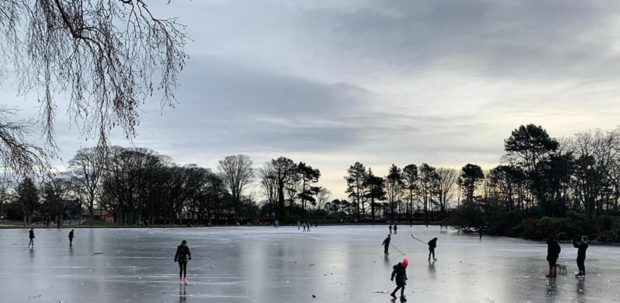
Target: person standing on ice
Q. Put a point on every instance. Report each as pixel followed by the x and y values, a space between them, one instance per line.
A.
pixel 400 273
pixel 182 256
pixel 71 238
pixel 395 228
pixel 553 252
pixel 390 227
pixel 386 244
pixel 31 237
pixel 432 244
pixel 581 246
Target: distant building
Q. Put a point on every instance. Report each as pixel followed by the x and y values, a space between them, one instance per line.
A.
pixel 99 215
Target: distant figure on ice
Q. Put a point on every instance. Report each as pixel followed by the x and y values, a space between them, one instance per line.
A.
pixel 400 272
pixel 304 226
pixel 275 223
pixel 386 244
pixel 395 228
pixel 581 246
pixel 298 225
pixel 553 253
pixel 31 237
pixel 390 229
pixel 432 244
pixel 182 256
pixel 71 236
pixel 480 232
pixel 308 226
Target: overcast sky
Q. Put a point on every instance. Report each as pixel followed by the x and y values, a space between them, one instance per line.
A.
pixel 380 82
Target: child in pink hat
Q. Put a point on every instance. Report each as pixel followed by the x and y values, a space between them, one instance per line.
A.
pixel 400 272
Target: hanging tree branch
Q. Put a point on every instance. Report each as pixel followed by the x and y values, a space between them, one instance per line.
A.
pixel 104 57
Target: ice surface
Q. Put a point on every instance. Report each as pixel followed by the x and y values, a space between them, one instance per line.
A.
pixel 265 264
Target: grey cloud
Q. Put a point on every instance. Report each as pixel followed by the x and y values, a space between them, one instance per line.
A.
pixel 490 38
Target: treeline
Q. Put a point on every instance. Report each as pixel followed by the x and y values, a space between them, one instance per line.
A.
pixel 543 186
pixel 135 186
pixel 547 186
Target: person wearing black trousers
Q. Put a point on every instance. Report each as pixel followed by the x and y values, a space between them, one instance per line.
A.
pixel 581 246
pixel 31 237
pixel 553 253
pixel 71 236
pixel 182 256
pixel 386 244
pixel 399 271
pixel 432 244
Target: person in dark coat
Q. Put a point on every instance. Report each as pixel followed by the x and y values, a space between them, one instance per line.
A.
pixel 432 244
pixel 395 228
pixel 399 271
pixel 390 227
pixel 71 236
pixel 581 246
pixel 553 253
pixel 386 244
pixel 182 256
pixel 31 237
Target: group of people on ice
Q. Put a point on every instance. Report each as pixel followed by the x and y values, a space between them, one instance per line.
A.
pixel 306 225
pixel 31 237
pixel 553 253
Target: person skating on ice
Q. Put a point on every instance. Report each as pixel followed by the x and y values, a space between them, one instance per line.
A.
pixel 71 236
pixel 581 246
pixel 31 237
pixel 395 228
pixel 182 256
pixel 390 227
pixel 553 253
pixel 432 244
pixel 386 244
pixel 399 271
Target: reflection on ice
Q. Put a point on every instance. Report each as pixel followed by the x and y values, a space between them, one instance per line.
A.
pixel 330 264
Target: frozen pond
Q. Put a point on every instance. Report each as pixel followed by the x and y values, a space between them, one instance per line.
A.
pixel 265 264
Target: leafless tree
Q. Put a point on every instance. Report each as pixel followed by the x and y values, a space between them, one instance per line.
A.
pixel 446 185
pixel 105 56
pixel 268 182
pixel 236 172
pixel 16 153
pixel 86 172
pixel 322 197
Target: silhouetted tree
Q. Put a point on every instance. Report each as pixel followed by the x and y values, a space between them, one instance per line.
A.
pixel 447 178
pixel 27 198
pixel 236 172
pixel 410 181
pixel 375 191
pixel 394 188
pixel 86 169
pixel 309 176
pixel 428 186
pixel 526 148
pixel 356 175
pixel 283 171
pixel 468 181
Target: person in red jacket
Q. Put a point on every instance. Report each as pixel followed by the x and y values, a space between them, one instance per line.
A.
pixel 182 256
pixel 400 273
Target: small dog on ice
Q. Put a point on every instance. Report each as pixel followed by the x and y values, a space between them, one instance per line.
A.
pixel 562 269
